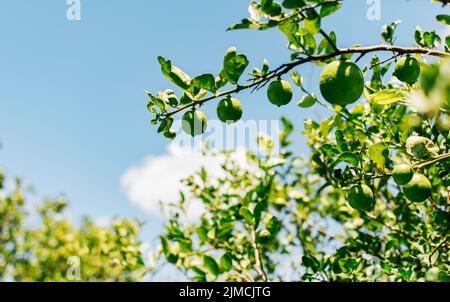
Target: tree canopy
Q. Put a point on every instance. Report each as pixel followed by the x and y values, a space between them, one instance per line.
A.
pixel 41 244
pixel 370 199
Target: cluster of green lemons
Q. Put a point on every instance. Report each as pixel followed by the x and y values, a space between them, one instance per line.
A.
pixel 416 188
pixel 341 83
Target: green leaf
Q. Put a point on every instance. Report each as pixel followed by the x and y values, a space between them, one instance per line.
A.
pixel 165 245
pixel 444 19
pixel 186 98
pixel 257 212
pixel 379 154
pixel 418 36
pixel 198 270
pixel 170 134
pixel 429 77
pixel 174 74
pixel 329 8
pixel 297 78
pixel 226 263
pixel 171 98
pixel 211 265
pixel 340 139
pixel 291 4
pixel 427 39
pixel 312 22
pixel 309 43
pixel 311 262
pixel 265 67
pixel 327 46
pixel 388 31
pixel 273 226
pixel 431 39
pixel 165 125
pixel 202 233
pixel 388 96
pixel 347 157
pixel 234 66
pixel 244 24
pixel 271 8
pixel 160 101
pixel 329 150
pixel 204 81
pixel 248 216
pixel 171 258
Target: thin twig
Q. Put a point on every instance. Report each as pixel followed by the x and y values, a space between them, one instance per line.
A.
pixel 385 61
pixel 258 261
pixel 393 229
pixel 326 233
pixel 432 161
pixel 437 248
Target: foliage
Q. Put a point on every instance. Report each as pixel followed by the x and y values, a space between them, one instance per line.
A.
pixel 48 247
pixel 288 217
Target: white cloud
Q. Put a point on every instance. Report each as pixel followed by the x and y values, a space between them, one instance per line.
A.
pixel 157 178
pixel 103 221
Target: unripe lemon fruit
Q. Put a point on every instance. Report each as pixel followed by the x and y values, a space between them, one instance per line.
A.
pixel 360 197
pixel 194 122
pixel 341 82
pixel 402 174
pixel 407 70
pixel 418 189
pixel 280 92
pixel 229 110
pixel 307 101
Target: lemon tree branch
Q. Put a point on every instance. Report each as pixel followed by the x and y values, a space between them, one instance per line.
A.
pixel 433 161
pixel 285 68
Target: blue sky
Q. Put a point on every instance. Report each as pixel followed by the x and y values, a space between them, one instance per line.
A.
pixel 73 117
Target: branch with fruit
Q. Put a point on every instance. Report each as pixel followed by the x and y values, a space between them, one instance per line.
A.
pixel 300 26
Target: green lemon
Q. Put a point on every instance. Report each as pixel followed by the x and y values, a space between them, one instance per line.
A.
pixel 280 92
pixel 307 101
pixel 341 82
pixel 407 70
pixel 402 174
pixel 360 197
pixel 263 236
pixel 194 122
pixel 418 189
pixel 229 110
